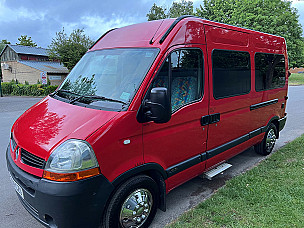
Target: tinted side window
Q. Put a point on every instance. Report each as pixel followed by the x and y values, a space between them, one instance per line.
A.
pixel 185 68
pixel 269 71
pixel 231 73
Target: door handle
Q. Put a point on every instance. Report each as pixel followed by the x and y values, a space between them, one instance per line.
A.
pixel 210 119
pixel 214 118
pixel 205 120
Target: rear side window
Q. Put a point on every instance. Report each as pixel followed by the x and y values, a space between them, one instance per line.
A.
pixel 269 71
pixel 231 73
pixel 182 75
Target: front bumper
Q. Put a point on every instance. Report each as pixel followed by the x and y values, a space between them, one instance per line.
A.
pixel 62 204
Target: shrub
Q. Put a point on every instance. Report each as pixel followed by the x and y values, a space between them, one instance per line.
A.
pixel 50 89
pixel 7 87
pixel 18 89
pixel 11 88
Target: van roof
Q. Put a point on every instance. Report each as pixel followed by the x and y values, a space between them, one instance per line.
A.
pixel 154 33
pixel 137 35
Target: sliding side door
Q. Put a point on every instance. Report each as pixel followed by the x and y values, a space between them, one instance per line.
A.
pixel 230 83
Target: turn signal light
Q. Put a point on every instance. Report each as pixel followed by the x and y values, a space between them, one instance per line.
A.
pixel 66 177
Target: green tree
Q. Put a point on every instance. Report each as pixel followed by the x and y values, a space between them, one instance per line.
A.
pixel 26 41
pixel 156 13
pixel 181 8
pixel 270 16
pixel 177 9
pixel 69 50
pixel 2 44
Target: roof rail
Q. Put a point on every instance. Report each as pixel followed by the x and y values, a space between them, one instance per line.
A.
pixel 103 35
pixel 172 26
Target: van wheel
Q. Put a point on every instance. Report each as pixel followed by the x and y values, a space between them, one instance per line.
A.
pixel 266 146
pixel 134 204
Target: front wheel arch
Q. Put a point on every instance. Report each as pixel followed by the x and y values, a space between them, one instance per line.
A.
pixel 115 215
pixel 153 170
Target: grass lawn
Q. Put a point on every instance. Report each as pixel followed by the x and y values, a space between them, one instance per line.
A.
pixel 269 195
pixel 296 79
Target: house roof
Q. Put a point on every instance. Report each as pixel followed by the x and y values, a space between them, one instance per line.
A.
pixel 46 66
pixel 20 49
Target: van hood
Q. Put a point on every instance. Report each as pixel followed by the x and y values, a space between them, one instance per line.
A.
pixel 50 122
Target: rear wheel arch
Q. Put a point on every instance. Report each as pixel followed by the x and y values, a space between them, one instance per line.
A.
pixel 266 146
pixel 276 123
pixel 274 120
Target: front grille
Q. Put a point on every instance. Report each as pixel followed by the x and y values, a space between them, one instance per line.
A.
pixel 31 159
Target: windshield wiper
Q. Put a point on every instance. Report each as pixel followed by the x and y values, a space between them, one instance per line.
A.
pixel 97 98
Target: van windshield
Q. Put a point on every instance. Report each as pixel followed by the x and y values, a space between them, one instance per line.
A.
pixel 107 78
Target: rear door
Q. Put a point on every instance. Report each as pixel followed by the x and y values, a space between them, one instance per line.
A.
pixel 177 145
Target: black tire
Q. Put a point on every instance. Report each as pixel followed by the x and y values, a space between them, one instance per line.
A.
pixel 141 186
pixel 266 146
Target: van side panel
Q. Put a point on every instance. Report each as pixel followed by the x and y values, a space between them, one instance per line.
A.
pixel 189 32
pixel 268 43
pixel 245 113
pixel 224 36
pixel 262 43
pixel 236 120
pixel 174 181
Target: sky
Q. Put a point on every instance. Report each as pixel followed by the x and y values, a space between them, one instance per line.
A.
pixel 41 19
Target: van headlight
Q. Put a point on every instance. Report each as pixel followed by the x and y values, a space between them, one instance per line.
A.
pixel 72 160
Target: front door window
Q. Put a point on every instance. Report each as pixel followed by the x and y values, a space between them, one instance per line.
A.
pixel 181 74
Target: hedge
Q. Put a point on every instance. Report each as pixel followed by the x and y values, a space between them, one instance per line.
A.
pixel 11 88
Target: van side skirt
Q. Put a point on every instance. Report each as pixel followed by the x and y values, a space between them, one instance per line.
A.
pixel 215 151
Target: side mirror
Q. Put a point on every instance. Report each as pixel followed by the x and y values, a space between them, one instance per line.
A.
pixel 158 107
pixel 289 74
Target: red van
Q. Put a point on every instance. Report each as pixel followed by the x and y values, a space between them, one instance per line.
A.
pixel 147 108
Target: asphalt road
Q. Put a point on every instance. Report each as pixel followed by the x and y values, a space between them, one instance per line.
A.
pixel 181 199
pixel 12 213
